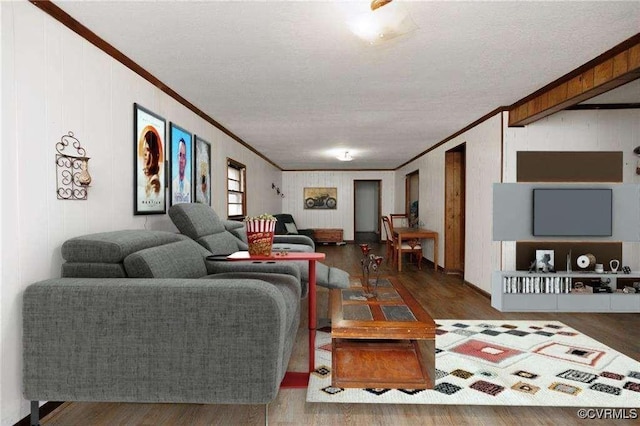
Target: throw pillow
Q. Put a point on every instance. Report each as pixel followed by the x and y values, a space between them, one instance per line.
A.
pixel 291 228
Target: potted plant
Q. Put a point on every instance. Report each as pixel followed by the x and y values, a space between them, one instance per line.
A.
pixel 260 231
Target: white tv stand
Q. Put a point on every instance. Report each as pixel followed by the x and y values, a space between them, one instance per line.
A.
pixel 521 291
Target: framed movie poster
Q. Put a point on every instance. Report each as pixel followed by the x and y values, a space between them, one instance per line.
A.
pixel 181 160
pixel 149 188
pixel 320 198
pixel 202 171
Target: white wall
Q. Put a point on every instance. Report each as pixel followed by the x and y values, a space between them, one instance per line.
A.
pixel 53 81
pixel 483 145
pixel 590 130
pixel 342 217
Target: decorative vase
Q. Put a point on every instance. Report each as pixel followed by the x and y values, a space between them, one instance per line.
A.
pixel 84 178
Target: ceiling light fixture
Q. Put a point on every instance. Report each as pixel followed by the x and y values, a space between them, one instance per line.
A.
pixel 345 157
pixel 385 21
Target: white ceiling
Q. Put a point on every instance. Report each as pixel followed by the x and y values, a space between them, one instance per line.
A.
pixel 291 80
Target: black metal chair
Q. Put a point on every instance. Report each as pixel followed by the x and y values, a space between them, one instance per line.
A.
pixel 285 225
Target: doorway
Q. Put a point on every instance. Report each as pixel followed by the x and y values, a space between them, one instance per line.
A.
pixel 366 210
pixel 454 206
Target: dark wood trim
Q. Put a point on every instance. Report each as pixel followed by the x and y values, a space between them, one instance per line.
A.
pixel 45 410
pixel 581 107
pixel 477 289
pixel 569 166
pixel 613 68
pixel 456 134
pixel 630 42
pixel 67 20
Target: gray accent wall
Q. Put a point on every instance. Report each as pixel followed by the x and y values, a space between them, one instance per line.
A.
pixel 513 211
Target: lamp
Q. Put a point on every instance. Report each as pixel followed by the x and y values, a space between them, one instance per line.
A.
pixel 385 21
pixel 345 157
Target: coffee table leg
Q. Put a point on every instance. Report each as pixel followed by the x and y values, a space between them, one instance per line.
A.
pixel 312 314
pixel 428 355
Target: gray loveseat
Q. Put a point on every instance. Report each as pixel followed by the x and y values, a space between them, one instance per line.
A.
pixel 140 316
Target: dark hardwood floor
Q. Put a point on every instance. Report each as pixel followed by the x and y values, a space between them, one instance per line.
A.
pixel 444 297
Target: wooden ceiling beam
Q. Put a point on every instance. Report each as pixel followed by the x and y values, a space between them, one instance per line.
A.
pixel 613 68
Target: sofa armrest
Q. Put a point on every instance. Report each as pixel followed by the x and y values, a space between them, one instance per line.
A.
pixel 226 266
pixel 295 269
pixel 154 340
pixel 294 239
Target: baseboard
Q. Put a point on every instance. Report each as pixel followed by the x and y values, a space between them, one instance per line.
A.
pixel 45 410
pixel 478 290
pixel 429 264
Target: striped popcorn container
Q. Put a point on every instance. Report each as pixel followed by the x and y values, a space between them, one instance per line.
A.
pixel 260 236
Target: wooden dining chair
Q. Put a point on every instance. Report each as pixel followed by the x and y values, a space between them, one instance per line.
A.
pixel 399 220
pixel 388 239
pixel 408 246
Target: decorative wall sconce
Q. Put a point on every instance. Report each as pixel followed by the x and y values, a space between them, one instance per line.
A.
pixel 275 188
pixel 72 169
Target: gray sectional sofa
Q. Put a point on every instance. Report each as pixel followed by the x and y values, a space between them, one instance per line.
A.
pixel 203 225
pixel 143 316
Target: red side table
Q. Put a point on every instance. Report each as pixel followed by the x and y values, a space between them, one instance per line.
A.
pixel 294 379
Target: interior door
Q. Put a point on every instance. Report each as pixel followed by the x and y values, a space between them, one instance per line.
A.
pixel 454 217
pixel 366 211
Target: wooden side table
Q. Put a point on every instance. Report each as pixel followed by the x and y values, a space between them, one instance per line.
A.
pixel 328 235
pixel 295 379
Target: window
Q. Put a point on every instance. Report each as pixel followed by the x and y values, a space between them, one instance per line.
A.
pixel 236 196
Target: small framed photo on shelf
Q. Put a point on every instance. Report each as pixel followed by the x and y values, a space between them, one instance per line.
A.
pixel 544 261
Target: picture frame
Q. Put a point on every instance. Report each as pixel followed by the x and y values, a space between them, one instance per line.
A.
pixel 545 261
pixel 202 171
pixel 320 198
pixel 149 162
pixel 181 164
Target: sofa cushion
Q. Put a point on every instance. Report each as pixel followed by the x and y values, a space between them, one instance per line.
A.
pixel 239 230
pixel 114 246
pixel 93 270
pixel 182 259
pixel 196 220
pixel 291 228
pixel 222 243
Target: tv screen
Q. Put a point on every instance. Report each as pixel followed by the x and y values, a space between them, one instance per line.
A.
pixel 572 212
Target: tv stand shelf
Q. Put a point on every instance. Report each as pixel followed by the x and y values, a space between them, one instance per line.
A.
pixel 521 291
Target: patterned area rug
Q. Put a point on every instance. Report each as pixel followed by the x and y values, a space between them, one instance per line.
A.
pixel 503 363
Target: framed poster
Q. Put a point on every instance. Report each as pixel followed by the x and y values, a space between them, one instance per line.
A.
pixel 181 160
pixel 320 198
pixel 149 186
pixel 202 171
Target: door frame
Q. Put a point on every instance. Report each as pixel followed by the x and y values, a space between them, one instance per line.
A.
pixel 457 174
pixel 407 190
pixel 379 213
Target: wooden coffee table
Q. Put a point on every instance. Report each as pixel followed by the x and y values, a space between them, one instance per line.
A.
pixel 384 342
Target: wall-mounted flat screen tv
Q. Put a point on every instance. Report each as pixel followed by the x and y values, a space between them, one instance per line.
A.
pixel 567 212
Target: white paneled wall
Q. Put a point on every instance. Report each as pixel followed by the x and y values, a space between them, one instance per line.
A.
pixel 483 145
pixel 592 130
pixel 53 81
pixel 293 184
